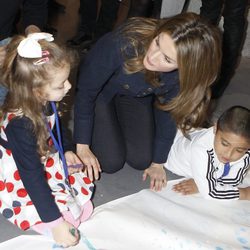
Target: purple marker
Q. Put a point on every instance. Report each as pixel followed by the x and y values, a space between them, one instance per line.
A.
pixel 79 165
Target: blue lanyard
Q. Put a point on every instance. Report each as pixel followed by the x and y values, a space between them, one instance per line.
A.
pixel 226 169
pixel 58 144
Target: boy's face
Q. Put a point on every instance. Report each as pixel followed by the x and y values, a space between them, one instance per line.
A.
pixel 229 147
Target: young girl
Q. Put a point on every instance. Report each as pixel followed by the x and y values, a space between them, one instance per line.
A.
pixel 136 84
pixel 37 189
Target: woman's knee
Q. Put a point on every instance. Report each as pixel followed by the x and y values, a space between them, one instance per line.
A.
pixel 140 163
pixel 111 165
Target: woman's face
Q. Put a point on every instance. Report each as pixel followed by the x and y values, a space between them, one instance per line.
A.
pixel 161 55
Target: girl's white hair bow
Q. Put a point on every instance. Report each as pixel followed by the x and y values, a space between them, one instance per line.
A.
pixel 30 48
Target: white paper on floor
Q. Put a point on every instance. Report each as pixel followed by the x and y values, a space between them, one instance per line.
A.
pixel 152 221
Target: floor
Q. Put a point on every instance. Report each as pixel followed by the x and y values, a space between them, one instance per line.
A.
pixel 128 180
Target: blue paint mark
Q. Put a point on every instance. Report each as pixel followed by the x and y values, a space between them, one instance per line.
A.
pixel 164 231
pixel 87 242
pixel 242 240
pixel 57 246
pixel 247 248
pixel 218 248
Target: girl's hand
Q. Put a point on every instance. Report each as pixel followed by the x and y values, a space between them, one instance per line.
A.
pixel 157 175
pixel 91 162
pixel 63 236
pixel 74 163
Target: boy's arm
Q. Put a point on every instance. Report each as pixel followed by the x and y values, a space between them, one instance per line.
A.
pixel 244 193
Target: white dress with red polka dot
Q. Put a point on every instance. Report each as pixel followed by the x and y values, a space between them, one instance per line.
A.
pixel 15 203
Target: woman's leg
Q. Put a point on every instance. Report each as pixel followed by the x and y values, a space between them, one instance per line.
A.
pixel 140 8
pixel 137 124
pixel 211 10
pixel 107 140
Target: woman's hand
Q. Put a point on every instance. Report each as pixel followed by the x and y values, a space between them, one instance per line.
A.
pixel 90 161
pixel 63 236
pixel 74 163
pixel 157 175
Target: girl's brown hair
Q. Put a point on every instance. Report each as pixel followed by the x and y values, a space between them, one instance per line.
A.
pixel 198 46
pixel 23 78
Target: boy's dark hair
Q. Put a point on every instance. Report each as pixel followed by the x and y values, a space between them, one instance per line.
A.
pixel 236 120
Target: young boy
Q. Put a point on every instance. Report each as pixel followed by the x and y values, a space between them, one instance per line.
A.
pixel 216 159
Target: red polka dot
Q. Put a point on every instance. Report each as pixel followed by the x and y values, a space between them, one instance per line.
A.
pixel 0 203
pixel 24 225
pixel 86 180
pixel 21 192
pixel 29 203
pixel 16 175
pixel 17 210
pixel 8 152
pixel 49 163
pixel 11 116
pixel 38 222
pixel 58 176
pixel 2 185
pixel 84 191
pixel 9 186
pixel 71 180
pixel 47 175
pixel 49 123
pixel 61 201
pixel 50 142
pixel 15 222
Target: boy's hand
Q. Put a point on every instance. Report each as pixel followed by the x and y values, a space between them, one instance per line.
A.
pixel 157 175
pixel 244 193
pixel 186 187
pixel 62 234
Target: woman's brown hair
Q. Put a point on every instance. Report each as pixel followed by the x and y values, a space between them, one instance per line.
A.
pixel 198 46
pixel 25 79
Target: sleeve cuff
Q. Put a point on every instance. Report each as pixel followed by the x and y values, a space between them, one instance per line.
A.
pixel 161 151
pixel 54 223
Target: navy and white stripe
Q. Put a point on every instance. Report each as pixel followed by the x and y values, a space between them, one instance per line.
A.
pixel 218 187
